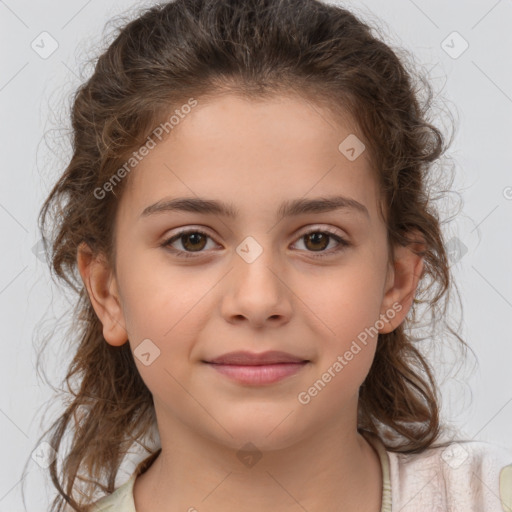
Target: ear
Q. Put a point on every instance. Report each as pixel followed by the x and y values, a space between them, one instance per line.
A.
pixel 403 276
pixel 103 293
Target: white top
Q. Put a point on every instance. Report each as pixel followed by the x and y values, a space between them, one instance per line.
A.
pixel 473 476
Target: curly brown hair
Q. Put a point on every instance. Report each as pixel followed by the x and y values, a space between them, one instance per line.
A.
pixel 256 48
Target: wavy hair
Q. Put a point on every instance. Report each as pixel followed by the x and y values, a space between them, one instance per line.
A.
pixel 256 48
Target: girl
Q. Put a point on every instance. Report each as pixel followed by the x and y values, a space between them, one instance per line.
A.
pixel 275 360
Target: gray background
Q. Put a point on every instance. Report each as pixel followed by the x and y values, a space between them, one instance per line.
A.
pixel 35 97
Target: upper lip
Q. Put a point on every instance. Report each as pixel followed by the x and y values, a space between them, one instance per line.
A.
pixel 253 358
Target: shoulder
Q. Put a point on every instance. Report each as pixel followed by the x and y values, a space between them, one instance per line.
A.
pixel 465 475
pixel 121 500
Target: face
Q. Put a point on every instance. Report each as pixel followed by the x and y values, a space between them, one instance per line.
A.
pixel 195 285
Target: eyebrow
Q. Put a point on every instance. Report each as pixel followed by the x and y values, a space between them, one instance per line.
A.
pixel 288 208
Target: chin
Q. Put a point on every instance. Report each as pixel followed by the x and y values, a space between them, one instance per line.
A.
pixel 264 436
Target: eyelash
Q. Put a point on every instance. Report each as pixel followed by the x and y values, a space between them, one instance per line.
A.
pixel 191 254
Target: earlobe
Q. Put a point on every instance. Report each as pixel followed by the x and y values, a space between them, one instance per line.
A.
pixel 102 290
pixel 405 274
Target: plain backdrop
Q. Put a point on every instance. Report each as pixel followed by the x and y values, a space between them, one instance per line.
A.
pixel 466 47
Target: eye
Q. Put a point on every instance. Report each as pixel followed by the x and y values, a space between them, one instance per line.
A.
pixel 194 241
pixel 318 240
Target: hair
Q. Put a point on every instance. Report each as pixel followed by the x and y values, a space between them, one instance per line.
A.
pixel 257 49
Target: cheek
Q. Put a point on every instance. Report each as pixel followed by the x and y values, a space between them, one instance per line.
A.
pixel 347 342
pixel 348 306
pixel 347 301
pixel 160 322
pixel 158 297
pixel 163 320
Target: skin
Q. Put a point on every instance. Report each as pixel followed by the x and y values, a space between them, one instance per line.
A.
pixel 255 155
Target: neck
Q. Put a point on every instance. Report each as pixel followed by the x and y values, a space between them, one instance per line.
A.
pixel 319 472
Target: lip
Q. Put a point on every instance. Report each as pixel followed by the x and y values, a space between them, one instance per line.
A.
pixel 258 375
pixel 245 358
pixel 257 369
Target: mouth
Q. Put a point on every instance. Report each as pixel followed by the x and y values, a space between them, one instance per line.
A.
pixel 244 358
pixel 257 369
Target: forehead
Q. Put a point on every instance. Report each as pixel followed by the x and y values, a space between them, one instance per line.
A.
pixel 243 150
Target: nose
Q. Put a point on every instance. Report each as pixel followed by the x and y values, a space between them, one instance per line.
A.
pixel 256 290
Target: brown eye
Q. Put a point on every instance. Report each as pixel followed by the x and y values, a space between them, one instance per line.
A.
pixel 316 241
pixel 191 241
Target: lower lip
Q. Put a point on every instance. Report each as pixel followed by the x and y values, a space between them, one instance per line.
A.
pixel 258 375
